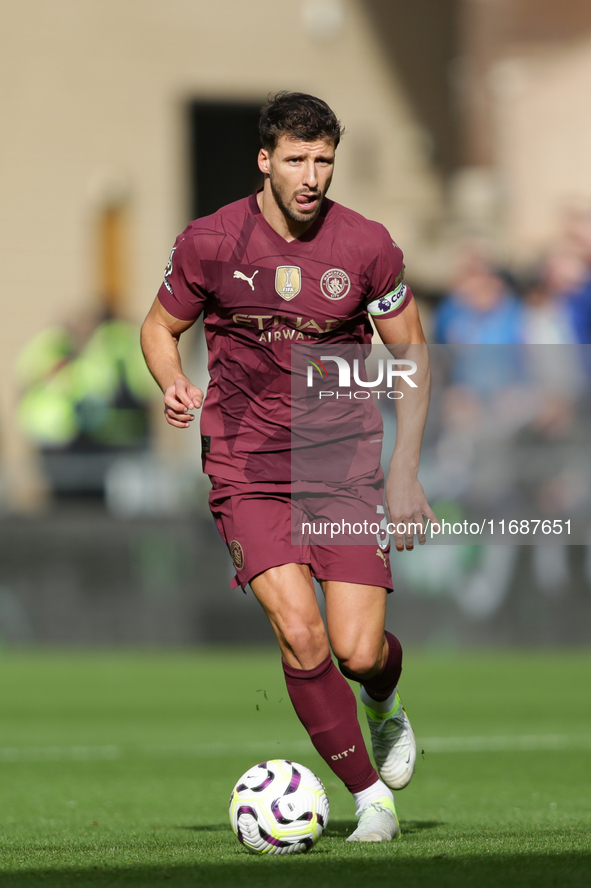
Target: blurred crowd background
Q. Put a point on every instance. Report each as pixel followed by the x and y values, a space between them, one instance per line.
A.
pixel 468 136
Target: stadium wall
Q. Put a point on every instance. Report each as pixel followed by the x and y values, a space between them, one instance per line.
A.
pixel 96 580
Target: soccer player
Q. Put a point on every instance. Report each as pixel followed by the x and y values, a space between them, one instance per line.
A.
pixel 283 266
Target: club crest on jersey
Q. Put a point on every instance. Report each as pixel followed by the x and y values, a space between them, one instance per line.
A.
pixel 335 284
pixel 237 553
pixel 288 281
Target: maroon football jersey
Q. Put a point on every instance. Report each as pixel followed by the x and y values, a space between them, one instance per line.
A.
pixel 259 294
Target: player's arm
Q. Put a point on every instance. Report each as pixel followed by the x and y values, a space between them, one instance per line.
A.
pixel 160 338
pixel 405 499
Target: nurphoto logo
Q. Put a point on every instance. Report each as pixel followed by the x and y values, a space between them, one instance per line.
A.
pixel 388 372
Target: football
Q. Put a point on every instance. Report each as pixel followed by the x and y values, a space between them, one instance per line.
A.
pixel 279 807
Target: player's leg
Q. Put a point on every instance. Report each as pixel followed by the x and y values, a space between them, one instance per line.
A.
pixel 355 618
pixel 373 657
pixel 286 594
pixel 322 699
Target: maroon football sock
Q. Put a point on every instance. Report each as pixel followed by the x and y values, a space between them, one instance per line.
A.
pixel 381 685
pixel 326 706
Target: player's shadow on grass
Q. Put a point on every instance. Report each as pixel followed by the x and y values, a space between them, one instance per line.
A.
pixel 407 827
pixel 336 828
pixel 359 866
pixel 344 828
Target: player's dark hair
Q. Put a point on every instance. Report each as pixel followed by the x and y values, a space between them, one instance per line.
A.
pixel 300 117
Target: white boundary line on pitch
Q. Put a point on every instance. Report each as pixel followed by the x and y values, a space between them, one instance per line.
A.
pixel 519 743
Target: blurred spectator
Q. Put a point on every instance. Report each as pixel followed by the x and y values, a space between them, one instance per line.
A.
pixel 85 392
pixel 480 309
pixel 549 315
pixel 578 234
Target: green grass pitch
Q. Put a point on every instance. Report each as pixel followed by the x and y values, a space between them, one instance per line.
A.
pixel 116 769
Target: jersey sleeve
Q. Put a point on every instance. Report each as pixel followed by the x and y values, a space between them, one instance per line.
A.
pixel 388 294
pixel 183 292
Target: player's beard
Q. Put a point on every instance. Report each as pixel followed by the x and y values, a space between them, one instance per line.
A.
pixel 281 200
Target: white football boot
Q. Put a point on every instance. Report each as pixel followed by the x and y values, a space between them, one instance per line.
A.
pixel 377 823
pixel 393 742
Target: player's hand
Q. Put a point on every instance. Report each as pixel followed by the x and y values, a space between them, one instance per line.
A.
pixel 179 399
pixel 406 504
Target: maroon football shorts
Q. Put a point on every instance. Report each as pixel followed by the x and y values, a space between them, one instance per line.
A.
pixel 256 523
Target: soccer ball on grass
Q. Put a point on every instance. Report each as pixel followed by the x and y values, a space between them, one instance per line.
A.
pixel 279 807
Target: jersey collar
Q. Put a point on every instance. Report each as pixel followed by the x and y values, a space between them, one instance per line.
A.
pixel 299 243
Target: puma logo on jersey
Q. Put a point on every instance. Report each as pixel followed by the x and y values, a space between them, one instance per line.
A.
pixel 381 555
pixel 249 280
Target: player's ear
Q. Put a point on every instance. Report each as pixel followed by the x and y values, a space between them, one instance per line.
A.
pixel 263 161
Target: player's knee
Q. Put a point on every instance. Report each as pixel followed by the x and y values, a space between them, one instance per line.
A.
pixel 362 663
pixel 302 638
